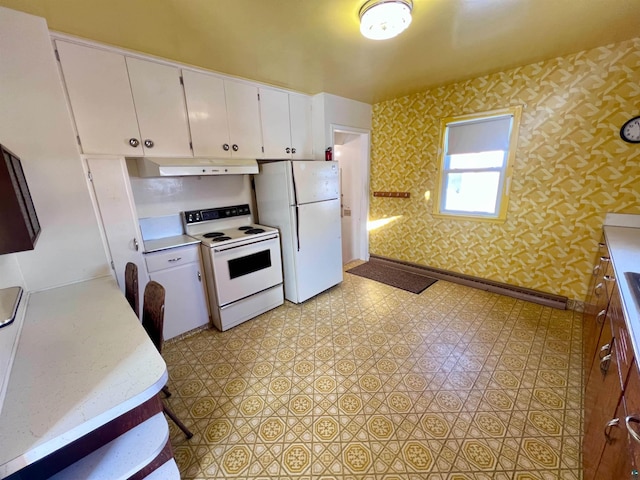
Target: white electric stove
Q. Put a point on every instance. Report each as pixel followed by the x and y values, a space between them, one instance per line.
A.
pixel 242 263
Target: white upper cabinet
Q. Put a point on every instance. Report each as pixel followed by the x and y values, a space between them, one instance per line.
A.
pixel 207 114
pixel 98 87
pixel 224 116
pixel 243 114
pixel 286 124
pixel 121 104
pixel 301 128
pixel 162 114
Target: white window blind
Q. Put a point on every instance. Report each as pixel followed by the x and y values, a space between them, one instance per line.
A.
pixel 479 136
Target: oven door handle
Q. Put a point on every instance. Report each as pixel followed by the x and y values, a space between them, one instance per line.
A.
pixel 245 244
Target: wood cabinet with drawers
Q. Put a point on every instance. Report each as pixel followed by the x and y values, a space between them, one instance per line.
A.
pixel 612 392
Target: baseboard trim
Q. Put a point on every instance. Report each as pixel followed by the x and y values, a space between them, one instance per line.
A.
pixel 521 293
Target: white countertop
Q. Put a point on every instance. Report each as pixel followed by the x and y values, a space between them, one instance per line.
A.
pixel 168 242
pixel 624 249
pixel 82 360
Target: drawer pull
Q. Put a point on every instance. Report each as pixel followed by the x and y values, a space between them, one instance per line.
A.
pixel 601 245
pixel 604 364
pixel 607 428
pixel 600 316
pixel 631 419
pixel 609 278
pixel 177 259
pixel 598 289
pixel 596 269
pixel 605 348
pixel 605 259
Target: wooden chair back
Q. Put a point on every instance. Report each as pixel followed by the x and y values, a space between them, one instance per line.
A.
pixel 131 287
pixel 153 312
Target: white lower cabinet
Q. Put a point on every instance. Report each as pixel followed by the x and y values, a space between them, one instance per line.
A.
pixel 179 271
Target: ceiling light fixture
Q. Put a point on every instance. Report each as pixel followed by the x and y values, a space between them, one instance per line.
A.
pixel 383 19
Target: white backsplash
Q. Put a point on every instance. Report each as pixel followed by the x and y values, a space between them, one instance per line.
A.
pixel 167 196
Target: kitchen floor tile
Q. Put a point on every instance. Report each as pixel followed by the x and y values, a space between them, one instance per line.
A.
pixel 368 381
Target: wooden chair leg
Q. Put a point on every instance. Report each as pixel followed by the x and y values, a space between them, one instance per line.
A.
pixel 177 421
pixel 166 391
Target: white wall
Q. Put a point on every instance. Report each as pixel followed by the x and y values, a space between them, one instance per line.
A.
pixel 36 125
pixel 171 195
pixel 328 110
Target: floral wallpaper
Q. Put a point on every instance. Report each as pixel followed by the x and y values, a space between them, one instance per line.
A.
pixel 571 168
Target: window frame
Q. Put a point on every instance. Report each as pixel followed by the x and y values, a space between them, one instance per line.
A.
pixel 506 171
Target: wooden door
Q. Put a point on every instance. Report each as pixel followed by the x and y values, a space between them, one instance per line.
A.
pixel 274 116
pixel 98 87
pixel 243 114
pixel 602 397
pixel 207 114
pixel 632 424
pixel 301 131
pixel 114 199
pixel 160 107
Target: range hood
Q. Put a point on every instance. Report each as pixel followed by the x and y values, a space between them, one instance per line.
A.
pixel 181 167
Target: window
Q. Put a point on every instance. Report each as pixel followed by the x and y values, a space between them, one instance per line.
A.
pixel 475 168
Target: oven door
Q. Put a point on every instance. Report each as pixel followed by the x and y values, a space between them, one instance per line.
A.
pixel 240 270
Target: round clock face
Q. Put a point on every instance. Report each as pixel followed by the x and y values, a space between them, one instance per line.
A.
pixel 630 131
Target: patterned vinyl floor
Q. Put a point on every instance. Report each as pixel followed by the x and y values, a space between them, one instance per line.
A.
pixel 366 381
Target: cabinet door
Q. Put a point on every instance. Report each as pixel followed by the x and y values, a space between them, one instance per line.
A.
pixel 98 87
pixel 301 134
pixel 207 114
pixel 276 130
pixel 615 461
pixel 602 397
pixel 632 402
pixel 243 114
pixel 162 114
pixel 185 307
pixel 110 181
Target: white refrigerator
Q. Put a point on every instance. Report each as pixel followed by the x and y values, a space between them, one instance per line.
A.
pixel 302 199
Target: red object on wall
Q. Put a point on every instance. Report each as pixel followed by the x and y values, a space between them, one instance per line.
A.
pixel 328 154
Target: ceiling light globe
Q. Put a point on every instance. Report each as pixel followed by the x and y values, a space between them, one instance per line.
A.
pixel 384 19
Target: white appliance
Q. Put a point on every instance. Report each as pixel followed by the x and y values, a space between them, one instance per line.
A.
pixel 302 199
pixel 242 263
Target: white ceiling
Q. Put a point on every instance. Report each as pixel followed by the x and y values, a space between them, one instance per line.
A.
pixel 315 45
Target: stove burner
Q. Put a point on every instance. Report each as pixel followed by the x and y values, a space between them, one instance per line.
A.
pixel 220 239
pixel 213 234
pixel 246 227
pixel 252 231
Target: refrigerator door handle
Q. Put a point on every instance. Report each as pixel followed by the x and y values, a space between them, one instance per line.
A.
pixel 298 226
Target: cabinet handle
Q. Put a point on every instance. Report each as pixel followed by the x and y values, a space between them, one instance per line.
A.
pixel 293 150
pixel 632 432
pixel 177 259
pixel 288 150
pixel 148 143
pixel 225 147
pixel 234 147
pixel 609 278
pixel 607 428
pixel 135 244
pixel 598 289
pixel 134 142
pixel 603 349
pixel 600 316
pixel 601 245
pixel 605 259
pixel 199 277
pixel 596 269
pixel 604 364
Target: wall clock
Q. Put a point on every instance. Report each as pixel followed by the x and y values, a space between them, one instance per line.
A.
pixel 630 131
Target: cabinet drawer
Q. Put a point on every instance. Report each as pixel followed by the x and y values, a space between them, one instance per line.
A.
pixel 171 258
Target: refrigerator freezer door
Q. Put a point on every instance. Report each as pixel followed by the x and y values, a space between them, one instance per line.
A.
pixel 315 181
pixel 318 263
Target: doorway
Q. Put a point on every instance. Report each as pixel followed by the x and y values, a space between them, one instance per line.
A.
pixel 351 151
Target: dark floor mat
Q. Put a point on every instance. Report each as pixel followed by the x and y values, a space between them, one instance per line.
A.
pixel 411 282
